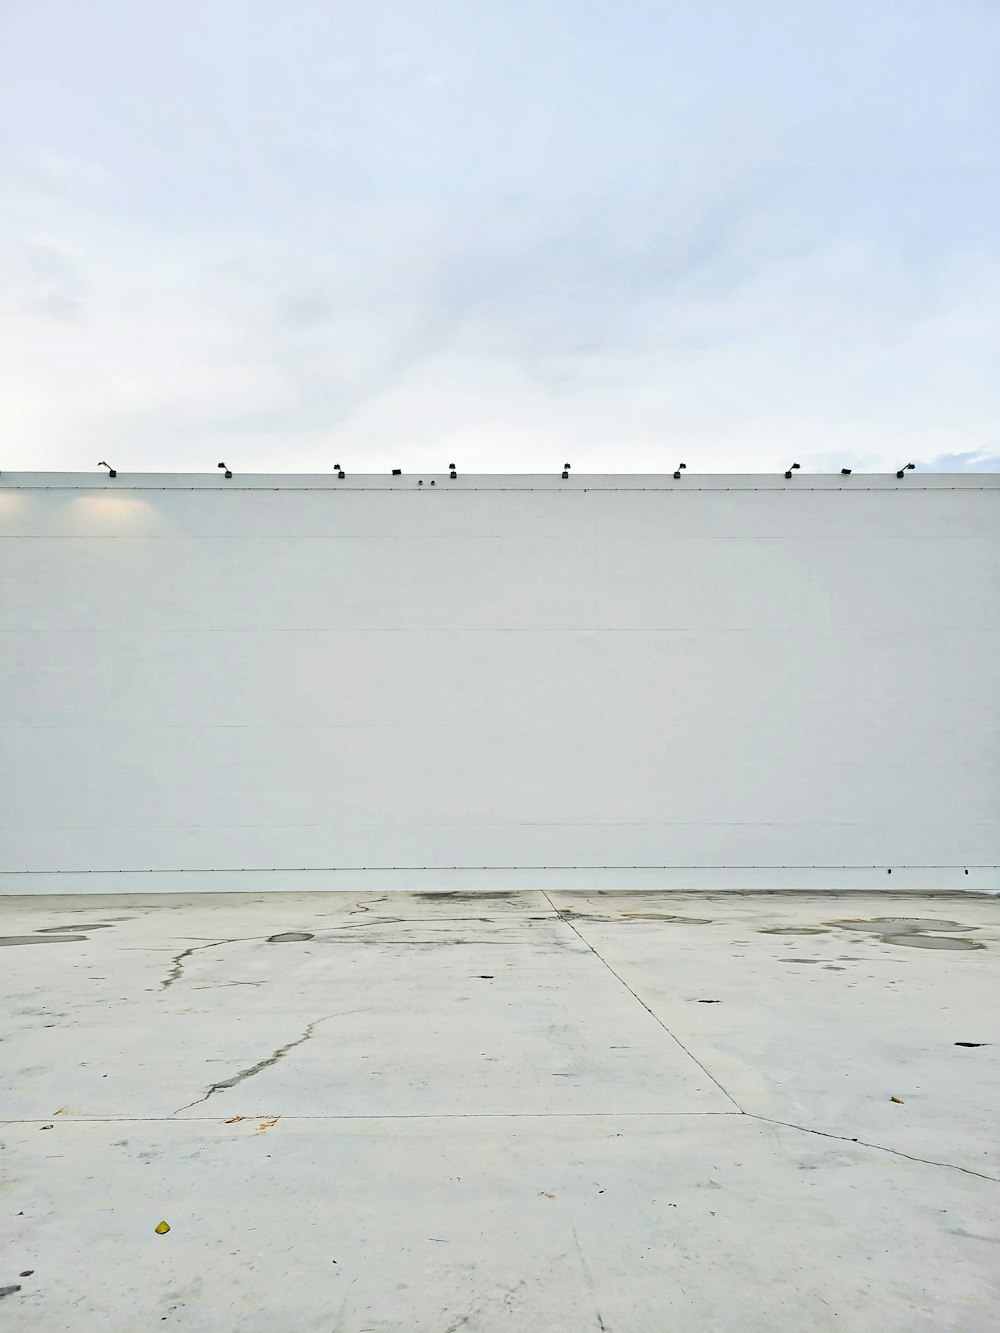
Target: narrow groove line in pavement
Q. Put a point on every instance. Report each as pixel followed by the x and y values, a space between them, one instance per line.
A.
pixel 879 1147
pixel 518 1115
pixel 381 1115
pixel 707 1072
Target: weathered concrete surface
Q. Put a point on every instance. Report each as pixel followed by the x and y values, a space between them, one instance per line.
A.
pixel 541 1112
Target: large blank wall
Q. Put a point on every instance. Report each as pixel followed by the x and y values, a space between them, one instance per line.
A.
pixel 783 687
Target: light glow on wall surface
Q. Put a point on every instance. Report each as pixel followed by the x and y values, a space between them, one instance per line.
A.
pixel 704 685
pixel 109 514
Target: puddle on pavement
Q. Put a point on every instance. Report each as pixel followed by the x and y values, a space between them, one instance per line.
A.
pixel 39 939
pixel 54 930
pixel 290 937
pixel 666 916
pixel 913 932
pixel 793 930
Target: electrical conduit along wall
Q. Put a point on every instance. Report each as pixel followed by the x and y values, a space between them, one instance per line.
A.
pixel 292 682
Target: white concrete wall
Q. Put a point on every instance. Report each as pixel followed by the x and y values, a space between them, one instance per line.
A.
pixel 279 681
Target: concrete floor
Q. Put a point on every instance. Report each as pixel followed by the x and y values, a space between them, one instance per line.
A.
pixel 469 1113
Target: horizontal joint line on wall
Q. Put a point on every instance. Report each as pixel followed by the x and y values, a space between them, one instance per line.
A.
pixel 291 870
pixel 681 489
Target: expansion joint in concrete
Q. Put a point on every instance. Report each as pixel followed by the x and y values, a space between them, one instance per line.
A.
pixel 656 1017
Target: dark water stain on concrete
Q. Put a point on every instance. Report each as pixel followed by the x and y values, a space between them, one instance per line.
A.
pixel 291 937
pixel 971 1043
pixel 798 960
pixel 44 939
pixel 830 967
pixel 913 932
pixel 605 918
pixel 462 896
pixel 54 930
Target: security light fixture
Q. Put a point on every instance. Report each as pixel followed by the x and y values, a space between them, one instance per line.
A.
pixel 339 471
pixel 452 470
pixel 680 469
pixel 111 470
pixel 226 470
pixel 845 471
pixel 397 471
pixel 788 474
pixel 905 468
pixel 565 473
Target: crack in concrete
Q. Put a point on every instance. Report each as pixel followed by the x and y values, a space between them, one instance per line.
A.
pixel 582 938
pixel 880 1147
pixel 588 1279
pixel 177 968
pixel 177 962
pixel 261 1065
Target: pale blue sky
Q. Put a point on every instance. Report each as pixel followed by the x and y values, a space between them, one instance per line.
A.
pixel 735 232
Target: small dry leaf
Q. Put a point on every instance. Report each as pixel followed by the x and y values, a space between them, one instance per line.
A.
pixel 897 1100
pixel 162 1228
pixel 544 1194
pixel 266 1124
pixel 62 1110
pixel 233 1119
